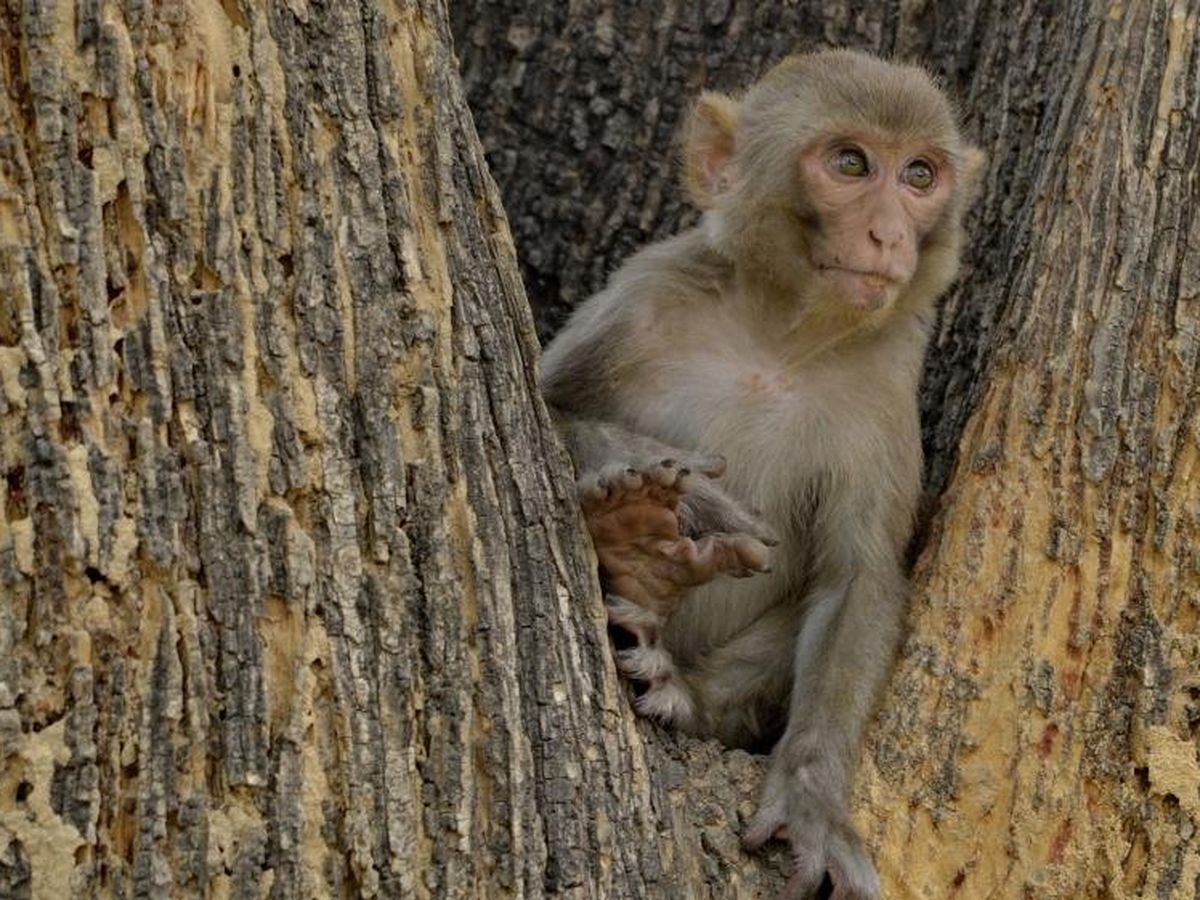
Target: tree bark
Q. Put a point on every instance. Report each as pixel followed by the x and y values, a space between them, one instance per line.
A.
pixel 294 598
pixel 1040 734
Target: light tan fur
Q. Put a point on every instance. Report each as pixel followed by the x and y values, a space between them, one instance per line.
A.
pixel 733 339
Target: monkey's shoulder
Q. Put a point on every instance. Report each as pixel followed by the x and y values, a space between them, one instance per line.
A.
pixel 683 271
pixel 613 334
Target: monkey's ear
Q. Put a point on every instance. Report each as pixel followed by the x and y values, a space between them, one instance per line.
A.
pixel 971 178
pixel 708 147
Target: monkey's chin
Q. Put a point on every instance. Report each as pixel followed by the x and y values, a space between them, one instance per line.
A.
pixel 864 291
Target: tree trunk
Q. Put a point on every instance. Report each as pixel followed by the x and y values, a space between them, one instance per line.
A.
pixel 1040 737
pixel 294 599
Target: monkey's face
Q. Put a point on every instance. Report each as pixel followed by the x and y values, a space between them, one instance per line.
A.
pixel 868 203
pixel 840 177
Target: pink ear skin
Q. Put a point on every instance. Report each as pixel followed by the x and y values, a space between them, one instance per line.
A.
pixel 708 148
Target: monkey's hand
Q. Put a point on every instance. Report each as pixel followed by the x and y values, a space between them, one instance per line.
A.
pixel 636 516
pixel 802 805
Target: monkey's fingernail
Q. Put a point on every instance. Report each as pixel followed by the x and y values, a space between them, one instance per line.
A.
pixel 685 471
pixel 630 470
pixel 668 462
pixel 770 541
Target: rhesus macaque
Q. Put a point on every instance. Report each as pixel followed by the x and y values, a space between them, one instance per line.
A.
pixel 741 400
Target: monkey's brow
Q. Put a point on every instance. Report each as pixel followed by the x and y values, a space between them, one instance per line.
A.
pixel 880 137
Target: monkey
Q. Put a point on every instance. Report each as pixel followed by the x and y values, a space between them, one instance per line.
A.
pixel 740 405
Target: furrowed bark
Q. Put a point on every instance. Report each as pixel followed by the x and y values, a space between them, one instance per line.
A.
pixel 1041 734
pixel 294 598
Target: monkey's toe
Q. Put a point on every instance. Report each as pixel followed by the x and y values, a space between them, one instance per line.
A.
pixel 640 623
pixel 763 829
pixel 668 701
pixel 646 662
pixel 827 858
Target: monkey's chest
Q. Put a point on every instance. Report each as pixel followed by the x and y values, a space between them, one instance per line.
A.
pixel 778 430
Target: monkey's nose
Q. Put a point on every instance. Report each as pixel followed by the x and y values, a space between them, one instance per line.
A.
pixel 887 238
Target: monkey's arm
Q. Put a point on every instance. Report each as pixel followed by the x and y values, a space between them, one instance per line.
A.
pixel 658 520
pixel 844 652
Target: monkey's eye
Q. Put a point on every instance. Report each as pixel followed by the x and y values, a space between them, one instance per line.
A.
pixel 851 162
pixel 919 174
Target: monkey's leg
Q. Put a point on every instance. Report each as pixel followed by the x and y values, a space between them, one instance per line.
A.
pixel 660 526
pixel 648 565
pixel 739 689
pixel 659 692
pixel 843 654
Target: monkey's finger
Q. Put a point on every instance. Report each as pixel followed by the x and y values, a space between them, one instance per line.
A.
pixel 720 554
pixel 648 662
pixel 618 478
pixel 706 509
pixel 673 474
pixel 699 561
pixel 751 552
pixel 666 473
pixel 608 485
pixel 710 465
pixel 740 522
pixel 589 490
pixel 644 624
pixel 685 551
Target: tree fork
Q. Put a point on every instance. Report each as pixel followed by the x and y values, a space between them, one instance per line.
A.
pixel 1040 734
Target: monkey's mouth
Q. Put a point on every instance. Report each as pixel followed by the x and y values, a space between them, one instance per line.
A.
pixel 864 288
pixel 870 278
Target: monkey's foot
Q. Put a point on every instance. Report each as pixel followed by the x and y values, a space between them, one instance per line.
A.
pixel 641 625
pixel 659 689
pixel 667 700
pixel 633 517
pixel 829 858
